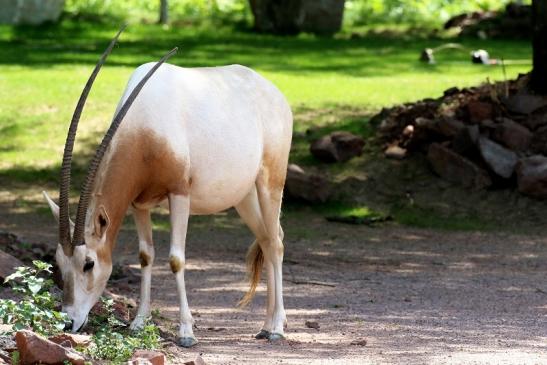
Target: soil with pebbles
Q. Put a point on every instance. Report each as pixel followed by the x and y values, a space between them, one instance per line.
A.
pixel 379 295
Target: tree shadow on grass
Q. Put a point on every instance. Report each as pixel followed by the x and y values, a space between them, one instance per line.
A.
pixel 74 43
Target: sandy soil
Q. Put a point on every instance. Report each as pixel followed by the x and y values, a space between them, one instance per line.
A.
pixel 400 295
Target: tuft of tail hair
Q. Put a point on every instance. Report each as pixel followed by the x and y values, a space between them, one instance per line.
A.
pixel 255 261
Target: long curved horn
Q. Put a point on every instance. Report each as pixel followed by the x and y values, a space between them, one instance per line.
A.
pixel 64 190
pixel 78 238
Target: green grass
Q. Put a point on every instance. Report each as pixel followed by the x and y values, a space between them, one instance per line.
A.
pixel 422 218
pixel 43 70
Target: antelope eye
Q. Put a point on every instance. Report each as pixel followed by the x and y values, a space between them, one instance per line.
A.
pixel 88 265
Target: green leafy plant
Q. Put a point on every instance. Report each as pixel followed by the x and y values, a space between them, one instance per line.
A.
pixel 37 307
pixel 112 341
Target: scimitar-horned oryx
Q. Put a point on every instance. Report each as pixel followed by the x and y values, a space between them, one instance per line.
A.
pixel 201 139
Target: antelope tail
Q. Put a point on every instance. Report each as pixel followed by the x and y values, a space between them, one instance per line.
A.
pixel 255 261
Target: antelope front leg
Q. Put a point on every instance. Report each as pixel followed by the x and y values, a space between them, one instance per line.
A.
pixel 146 257
pixel 179 207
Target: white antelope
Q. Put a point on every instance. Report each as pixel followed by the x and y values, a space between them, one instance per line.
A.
pixel 201 139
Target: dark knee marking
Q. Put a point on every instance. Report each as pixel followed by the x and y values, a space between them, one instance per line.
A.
pixel 144 258
pixel 176 264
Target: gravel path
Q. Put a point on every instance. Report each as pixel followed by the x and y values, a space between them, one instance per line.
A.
pixel 386 295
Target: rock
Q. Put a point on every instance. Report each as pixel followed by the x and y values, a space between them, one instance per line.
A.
pixel 449 127
pixel 71 340
pixel 535 120
pixel 539 141
pixel 34 348
pixel 147 357
pixel 312 324
pixel 524 103
pixel 395 152
pixel 303 186
pixel 532 176
pixel 487 124
pixel 479 110
pixel 465 142
pixel 362 342
pixel 197 361
pixel 499 159
pixel 455 168
pixel 337 147
pixel 408 131
pixel 8 264
pixel 451 91
pixel 512 135
pixel 377 119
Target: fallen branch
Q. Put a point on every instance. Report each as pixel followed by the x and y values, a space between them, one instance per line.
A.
pixel 312 282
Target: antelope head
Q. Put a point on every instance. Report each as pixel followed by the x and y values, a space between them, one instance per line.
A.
pixel 84 254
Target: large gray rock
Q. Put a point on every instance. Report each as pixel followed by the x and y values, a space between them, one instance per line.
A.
pixel 532 176
pixel 300 185
pixel 455 168
pixel 524 103
pixel 33 12
pixel 294 16
pixel 499 159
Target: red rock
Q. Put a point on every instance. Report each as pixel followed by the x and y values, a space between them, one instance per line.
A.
pixel 303 186
pixel 512 135
pixel 147 357
pixel 71 340
pixel 532 176
pixel 455 168
pixel 449 127
pixel 539 141
pixel 34 348
pixel 479 110
pixel 337 147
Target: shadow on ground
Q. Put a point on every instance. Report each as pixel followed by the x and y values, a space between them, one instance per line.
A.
pixel 414 295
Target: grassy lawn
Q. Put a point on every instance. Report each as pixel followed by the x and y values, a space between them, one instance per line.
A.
pixel 43 70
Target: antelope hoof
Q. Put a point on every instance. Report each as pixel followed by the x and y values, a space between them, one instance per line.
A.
pixel 262 335
pixel 276 337
pixel 187 341
pixel 138 323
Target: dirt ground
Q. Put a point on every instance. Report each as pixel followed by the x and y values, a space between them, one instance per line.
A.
pixel 400 295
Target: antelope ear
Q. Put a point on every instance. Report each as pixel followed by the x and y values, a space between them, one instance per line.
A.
pixel 102 222
pixel 55 211
pixel 54 207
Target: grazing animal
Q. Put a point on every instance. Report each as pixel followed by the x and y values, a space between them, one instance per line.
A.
pixel 201 139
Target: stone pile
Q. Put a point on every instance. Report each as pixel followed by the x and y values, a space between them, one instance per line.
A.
pixel 492 136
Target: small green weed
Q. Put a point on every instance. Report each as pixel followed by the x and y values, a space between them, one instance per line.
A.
pixel 37 307
pixel 112 341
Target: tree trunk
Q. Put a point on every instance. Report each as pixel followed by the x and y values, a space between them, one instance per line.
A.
pixel 164 12
pixel 539 44
pixel 294 16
